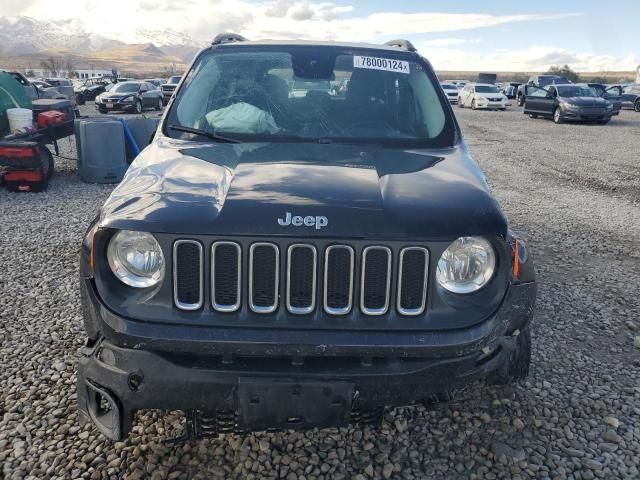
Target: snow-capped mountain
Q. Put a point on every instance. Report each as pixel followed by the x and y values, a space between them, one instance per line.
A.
pixel 22 35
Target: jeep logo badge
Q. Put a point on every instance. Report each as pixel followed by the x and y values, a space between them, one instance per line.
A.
pixel 298 221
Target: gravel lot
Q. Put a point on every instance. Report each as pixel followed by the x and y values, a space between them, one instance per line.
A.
pixel 572 190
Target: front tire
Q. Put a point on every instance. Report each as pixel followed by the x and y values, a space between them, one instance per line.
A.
pixel 516 368
pixel 520 100
pixel 473 104
pixel 636 106
pixel 138 107
pixel 159 105
pixel 80 99
pixel 46 162
pixel 102 110
pixel 557 116
pixel 533 115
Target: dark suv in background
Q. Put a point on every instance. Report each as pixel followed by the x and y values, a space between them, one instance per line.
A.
pixel 279 261
pixel 169 87
pixel 540 81
pixel 631 96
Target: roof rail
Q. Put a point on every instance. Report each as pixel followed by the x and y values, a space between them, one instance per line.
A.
pixel 228 38
pixel 404 44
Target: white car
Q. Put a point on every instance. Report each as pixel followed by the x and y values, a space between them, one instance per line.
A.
pixel 482 95
pixel 451 91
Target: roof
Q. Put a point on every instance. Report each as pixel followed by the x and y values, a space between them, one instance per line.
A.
pixel 316 43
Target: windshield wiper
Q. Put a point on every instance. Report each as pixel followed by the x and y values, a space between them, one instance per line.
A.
pixel 204 133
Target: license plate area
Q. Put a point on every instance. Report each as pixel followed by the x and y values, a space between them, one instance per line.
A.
pixel 109 105
pixel 278 404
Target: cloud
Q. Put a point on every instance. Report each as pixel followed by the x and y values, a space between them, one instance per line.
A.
pixel 533 59
pixel 447 42
pixel 15 7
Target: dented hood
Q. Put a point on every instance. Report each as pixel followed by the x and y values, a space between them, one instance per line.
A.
pixel 175 186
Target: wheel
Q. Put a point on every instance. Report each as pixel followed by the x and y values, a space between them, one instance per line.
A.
pixel 138 107
pixel 460 103
pixel 102 110
pixel 159 105
pixel 80 99
pixel 46 162
pixel 502 109
pixel 557 116
pixel 520 100
pixel 533 115
pixel 636 106
pixel 516 368
pixel 473 104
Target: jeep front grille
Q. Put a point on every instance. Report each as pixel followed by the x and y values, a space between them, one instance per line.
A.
pixel 338 279
pixel 373 278
pixel 226 273
pixel 264 277
pixel 302 261
pixel 413 272
pixel 187 274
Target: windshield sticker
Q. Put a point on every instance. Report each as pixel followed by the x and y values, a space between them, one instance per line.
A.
pixel 375 63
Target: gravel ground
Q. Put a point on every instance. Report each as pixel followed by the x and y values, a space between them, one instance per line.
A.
pixel 572 191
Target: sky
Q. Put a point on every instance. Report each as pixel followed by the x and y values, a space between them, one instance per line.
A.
pixel 489 35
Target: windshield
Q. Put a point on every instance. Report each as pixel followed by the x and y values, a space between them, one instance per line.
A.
pixel 294 93
pixel 448 87
pixel 576 91
pixel 125 88
pixel 486 89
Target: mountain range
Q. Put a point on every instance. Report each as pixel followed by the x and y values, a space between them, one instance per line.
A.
pixel 25 41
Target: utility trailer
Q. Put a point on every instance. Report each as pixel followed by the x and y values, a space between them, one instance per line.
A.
pixel 26 163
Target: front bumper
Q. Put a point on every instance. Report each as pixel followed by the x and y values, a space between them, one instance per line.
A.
pixel 116 106
pixel 491 105
pixel 138 366
pixel 582 116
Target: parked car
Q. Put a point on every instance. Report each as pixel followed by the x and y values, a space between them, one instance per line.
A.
pixel 631 97
pixel 451 91
pixel 266 262
pixel 613 94
pixel 169 87
pixel 571 102
pixel 458 83
pixel 90 89
pixel 482 96
pixel 510 89
pixel 540 81
pixel 130 97
pixel 300 88
pixel 36 90
pixel 157 82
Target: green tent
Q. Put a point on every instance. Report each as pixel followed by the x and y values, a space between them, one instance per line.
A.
pixel 12 95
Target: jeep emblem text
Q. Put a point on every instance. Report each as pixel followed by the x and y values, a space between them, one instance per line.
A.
pixel 298 221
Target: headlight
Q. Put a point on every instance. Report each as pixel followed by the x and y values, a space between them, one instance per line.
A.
pixel 127 99
pixel 136 258
pixel 571 106
pixel 609 107
pixel 466 265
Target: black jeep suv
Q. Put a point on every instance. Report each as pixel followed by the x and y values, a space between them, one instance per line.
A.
pixel 278 261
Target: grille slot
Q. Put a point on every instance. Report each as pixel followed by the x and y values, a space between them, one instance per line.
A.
pixel 413 272
pixel 187 274
pixel 338 279
pixel 375 280
pixel 301 278
pixel 226 274
pixel 264 277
